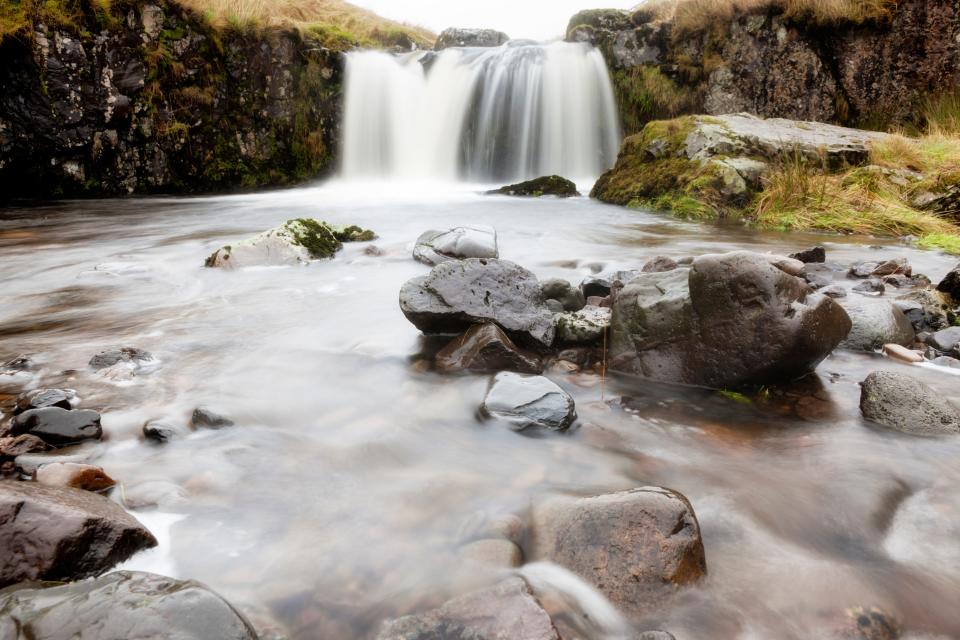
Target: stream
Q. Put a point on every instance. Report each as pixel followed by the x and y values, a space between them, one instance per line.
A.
pixel 342 493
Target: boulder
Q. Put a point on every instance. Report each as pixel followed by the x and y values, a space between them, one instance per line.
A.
pixel 121 606
pixel 898 266
pixel 203 418
pixel 904 403
pixel 863 269
pixel 475 241
pixel 60 533
pixel 876 323
pixel 455 295
pixel 41 398
pixel 71 474
pixel 125 355
pixel 545 186
pixel 507 610
pixel 637 547
pixel 571 298
pixel 57 426
pixel 525 401
pixel 728 320
pixel 458 37
pixel 19 445
pixel 486 348
pixel 295 242
pixel 602 284
pixel 946 340
pixel 814 255
pixel 950 284
pixel 586 326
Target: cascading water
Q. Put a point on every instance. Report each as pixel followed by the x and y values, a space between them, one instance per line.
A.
pixel 512 112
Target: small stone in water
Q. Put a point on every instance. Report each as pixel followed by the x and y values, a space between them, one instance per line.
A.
pixel 203 418
pixel 659 264
pixel 20 445
pixel 812 255
pixel 899 352
pixel 529 401
pixel 834 291
pixel 111 357
pixel 40 398
pixel 70 474
pixel 871 287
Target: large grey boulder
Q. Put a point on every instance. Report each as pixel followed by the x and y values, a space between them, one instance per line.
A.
pixel 460 37
pixel 507 611
pixel 474 241
pixel 457 294
pixel 904 403
pixel 60 533
pixel 528 401
pixel 876 323
pixel 295 242
pixel 637 547
pixel 728 320
pixel 120 606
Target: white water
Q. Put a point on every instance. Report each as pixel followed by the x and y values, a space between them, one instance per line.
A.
pixel 508 113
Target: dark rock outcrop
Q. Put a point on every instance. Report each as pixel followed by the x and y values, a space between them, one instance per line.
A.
pixel 459 37
pixel 951 284
pixel 637 547
pixel 57 426
pixel 904 403
pixel 545 186
pixel 58 533
pixel 457 294
pixel 120 606
pixel 150 98
pixel 486 348
pixel 728 320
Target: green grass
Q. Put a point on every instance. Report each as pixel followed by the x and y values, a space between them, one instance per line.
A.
pixel 643 94
pixel 946 242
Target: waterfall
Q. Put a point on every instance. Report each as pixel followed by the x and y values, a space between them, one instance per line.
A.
pixel 513 112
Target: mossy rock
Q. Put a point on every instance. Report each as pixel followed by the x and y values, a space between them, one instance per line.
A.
pixel 545 186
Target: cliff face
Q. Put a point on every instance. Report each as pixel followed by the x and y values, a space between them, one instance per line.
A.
pixel 152 99
pixel 771 65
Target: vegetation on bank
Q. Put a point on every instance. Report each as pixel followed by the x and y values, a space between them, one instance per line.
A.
pixel 335 23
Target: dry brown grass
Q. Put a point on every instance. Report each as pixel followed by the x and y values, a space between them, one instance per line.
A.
pixel 699 15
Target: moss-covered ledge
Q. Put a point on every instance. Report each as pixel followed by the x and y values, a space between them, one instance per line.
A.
pixel 791 175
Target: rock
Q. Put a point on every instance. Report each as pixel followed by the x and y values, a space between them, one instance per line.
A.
pixel 554 305
pixel 729 320
pixel 835 291
pixel 20 445
pixel 295 242
pixel 904 403
pixel 863 269
pixel 900 266
pixel 455 295
pixel 84 453
pixel 659 264
pixel 203 418
pixel 945 340
pixel 860 623
pixel 876 323
pixel 926 309
pixel 545 186
pixel 871 287
pixel 121 606
pixel 790 266
pixel 476 241
pixel 898 352
pixel 62 534
pixel 563 292
pixel 812 255
pixel 950 284
pixel 602 284
pixel 71 474
pixel 486 348
pixel 637 547
pixel 525 401
pixel 57 426
pixel 457 37
pixel 125 355
pixel 505 611
pixel 163 431
pixel 492 553
pixel 40 398
pixel 947 361
pixel 586 326
pixel 655 635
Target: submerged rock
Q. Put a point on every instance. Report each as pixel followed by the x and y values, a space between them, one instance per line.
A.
pixel 121 606
pixel 295 242
pixel 455 295
pixel 483 348
pixel 637 547
pixel 124 355
pixel 507 610
pixel 904 403
pixel 203 418
pixel 728 320
pixel 529 401
pixel 57 426
pixel 71 474
pixel 59 533
pixel 474 241
pixel 163 431
pixel 876 323
pixel 545 186
pixel 459 37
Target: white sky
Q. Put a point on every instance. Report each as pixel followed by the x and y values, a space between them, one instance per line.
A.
pixel 535 19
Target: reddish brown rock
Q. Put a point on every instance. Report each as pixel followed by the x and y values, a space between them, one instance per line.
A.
pixel 18 445
pixel 72 474
pixel 638 547
pixel 486 347
pixel 62 534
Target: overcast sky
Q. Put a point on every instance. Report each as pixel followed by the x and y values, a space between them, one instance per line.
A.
pixel 537 19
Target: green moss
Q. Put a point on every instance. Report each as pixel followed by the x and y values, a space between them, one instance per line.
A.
pixel 735 396
pixel 643 94
pixel 351 233
pixel 316 237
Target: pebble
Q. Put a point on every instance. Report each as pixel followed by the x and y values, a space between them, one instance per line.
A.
pixel 898 352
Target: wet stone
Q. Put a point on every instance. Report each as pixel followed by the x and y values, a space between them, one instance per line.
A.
pixel 946 340
pixel 863 269
pixel 901 353
pixel 904 403
pixel 569 297
pixel 41 398
pixel 486 348
pixel 162 431
pixel 203 418
pixel 71 474
pixel 951 284
pixel 659 264
pixel 890 267
pixel 112 357
pixel 586 326
pixel 812 255
pixel 876 323
pixel 474 241
pixel 57 426
pixel 529 401
pixel 870 287
pixel 834 291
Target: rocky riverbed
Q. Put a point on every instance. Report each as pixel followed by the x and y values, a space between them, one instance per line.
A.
pixel 292 439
